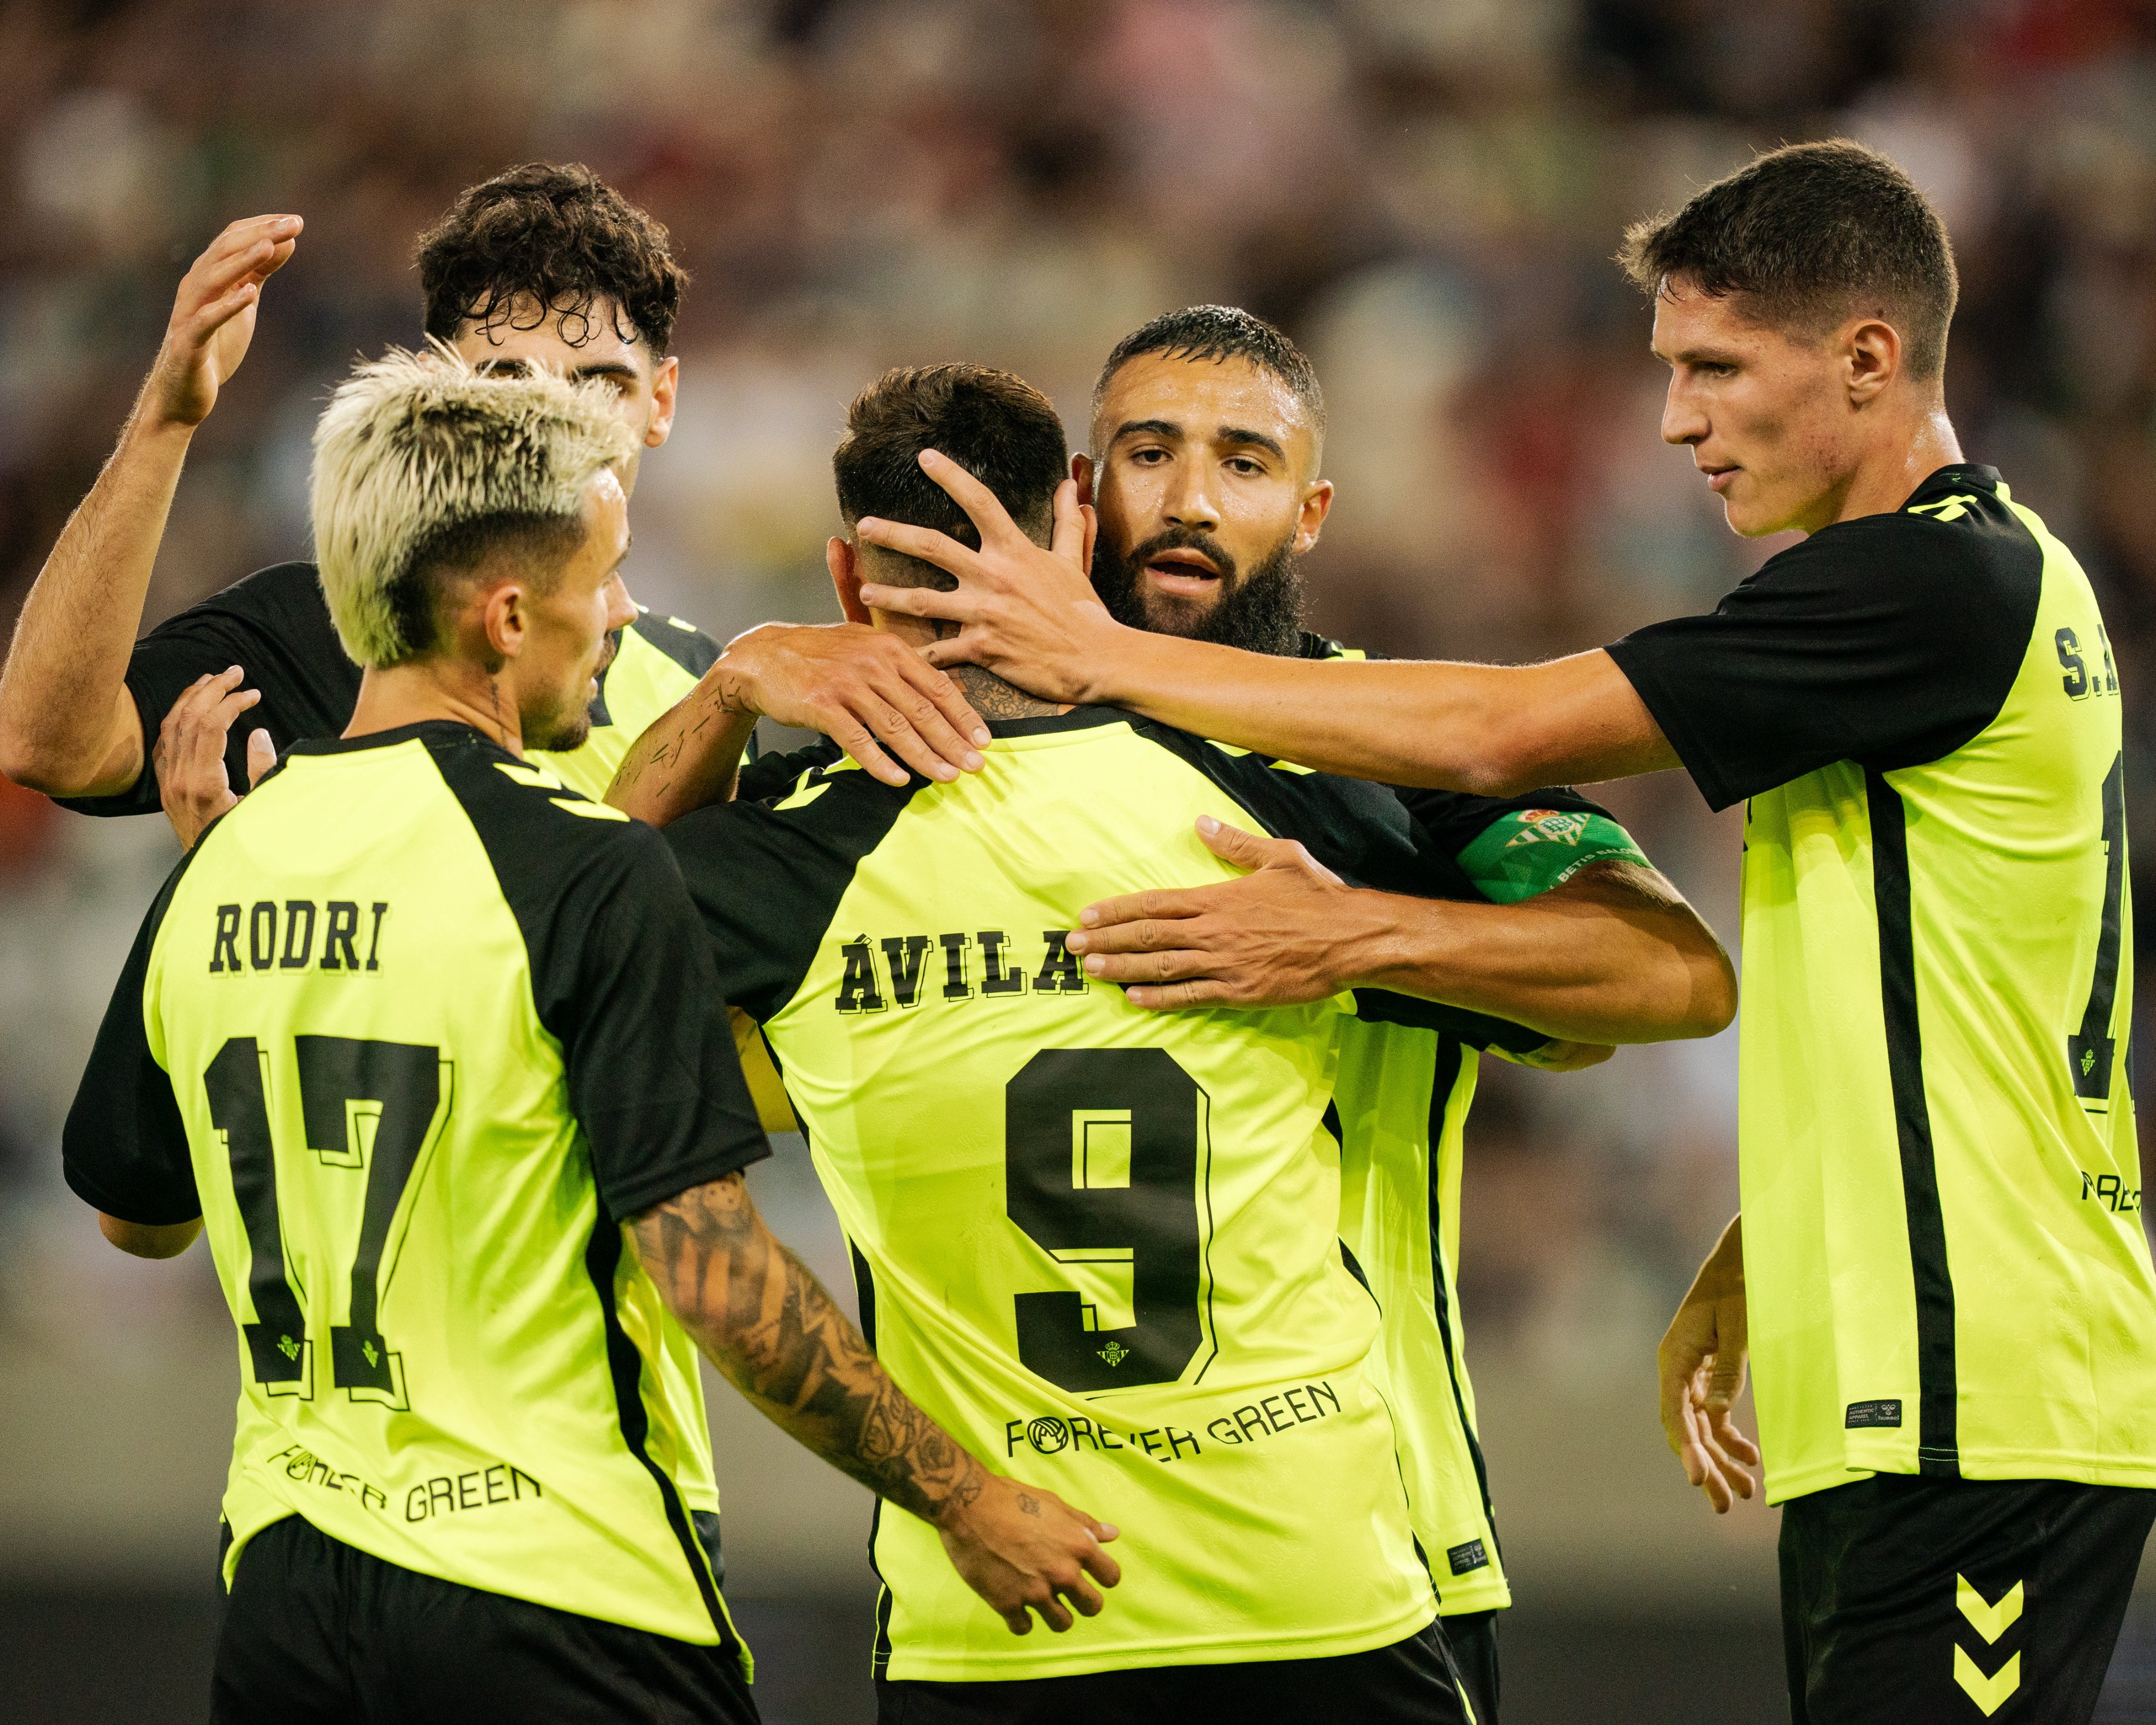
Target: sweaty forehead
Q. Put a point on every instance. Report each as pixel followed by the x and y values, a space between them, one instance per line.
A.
pixel 1201 396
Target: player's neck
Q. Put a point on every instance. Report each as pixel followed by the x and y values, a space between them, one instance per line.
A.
pixel 1887 475
pixel 448 689
pixel 992 698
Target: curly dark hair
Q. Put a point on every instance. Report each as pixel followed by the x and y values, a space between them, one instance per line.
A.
pixel 561 234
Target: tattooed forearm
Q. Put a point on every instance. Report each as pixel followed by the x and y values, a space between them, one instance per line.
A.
pixel 768 1325
pixel 690 756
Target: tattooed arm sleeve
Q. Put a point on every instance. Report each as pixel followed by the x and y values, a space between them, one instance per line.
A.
pixel 765 1322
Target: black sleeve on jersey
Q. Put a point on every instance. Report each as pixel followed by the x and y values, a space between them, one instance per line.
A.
pixel 1476 1029
pixel 767 881
pixel 1889 641
pixel 124 1148
pixel 621 978
pixel 275 626
pixel 1453 820
pixel 768 776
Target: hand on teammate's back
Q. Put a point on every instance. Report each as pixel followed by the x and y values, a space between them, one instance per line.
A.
pixel 213 317
pixel 1027 612
pixel 189 756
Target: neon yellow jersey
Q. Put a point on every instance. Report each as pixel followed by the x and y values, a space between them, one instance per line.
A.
pixel 274 624
pixel 1099 1245
pixel 412 1029
pixel 1943 1242
pixel 1401 1099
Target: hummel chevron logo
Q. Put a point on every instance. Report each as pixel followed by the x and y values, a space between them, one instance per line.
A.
pixel 1989 1693
pixel 1989 1621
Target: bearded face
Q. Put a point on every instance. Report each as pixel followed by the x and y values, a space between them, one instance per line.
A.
pixel 1258 608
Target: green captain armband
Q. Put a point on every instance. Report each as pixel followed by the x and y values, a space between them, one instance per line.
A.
pixel 1530 850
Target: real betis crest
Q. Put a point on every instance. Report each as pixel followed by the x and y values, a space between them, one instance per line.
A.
pixel 1548 826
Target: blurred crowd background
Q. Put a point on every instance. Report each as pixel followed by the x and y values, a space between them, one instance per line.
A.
pixel 1425 193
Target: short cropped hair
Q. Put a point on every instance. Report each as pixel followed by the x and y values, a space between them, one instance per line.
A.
pixel 558 238
pixel 424 467
pixel 995 425
pixel 1811 235
pixel 1221 333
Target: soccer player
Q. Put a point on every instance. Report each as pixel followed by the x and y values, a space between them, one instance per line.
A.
pixel 431 1047
pixel 1207 437
pixel 1207 433
pixel 1099 1238
pixel 1941 1269
pixel 541 265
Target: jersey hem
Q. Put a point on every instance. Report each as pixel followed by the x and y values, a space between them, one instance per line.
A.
pixel 1978 1465
pixel 912 1666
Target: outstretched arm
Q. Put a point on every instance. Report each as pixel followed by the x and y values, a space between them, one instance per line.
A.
pixel 859 686
pixel 1028 614
pixel 1614 955
pixel 767 1323
pixel 68 726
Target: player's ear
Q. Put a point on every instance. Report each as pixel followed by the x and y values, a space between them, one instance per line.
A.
pixel 844 563
pixel 1317 505
pixel 665 381
pixel 502 621
pixel 1871 353
pixel 1081 471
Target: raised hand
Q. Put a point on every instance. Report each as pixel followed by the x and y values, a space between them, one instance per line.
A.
pixel 1702 1366
pixel 193 784
pixel 1023 1549
pixel 1025 611
pixel 213 317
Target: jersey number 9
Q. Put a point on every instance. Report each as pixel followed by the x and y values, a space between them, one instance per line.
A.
pixel 1101 1166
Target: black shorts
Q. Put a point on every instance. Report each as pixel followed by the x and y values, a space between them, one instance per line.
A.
pixel 1907 1597
pixel 1411 1682
pixel 1474 1638
pixel 318 1633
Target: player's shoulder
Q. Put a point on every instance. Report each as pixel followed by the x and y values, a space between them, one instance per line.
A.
pixel 1958 542
pixel 532 822
pixel 281 596
pixel 683 643
pixel 778 774
pixel 1346 822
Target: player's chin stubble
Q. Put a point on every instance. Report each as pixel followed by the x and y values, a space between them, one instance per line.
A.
pixel 1259 611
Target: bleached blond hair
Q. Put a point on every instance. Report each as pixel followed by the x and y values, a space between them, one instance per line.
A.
pixel 422 466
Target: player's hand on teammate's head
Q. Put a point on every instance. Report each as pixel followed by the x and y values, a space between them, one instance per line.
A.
pixel 1027 612
pixel 189 756
pixel 213 317
pixel 869 692
pixel 1025 1550
pixel 1702 1363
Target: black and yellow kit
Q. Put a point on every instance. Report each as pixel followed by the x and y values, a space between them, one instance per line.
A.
pixel 275 626
pixel 413 1028
pixel 1942 1240
pixel 1402 1099
pixel 1099 1245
